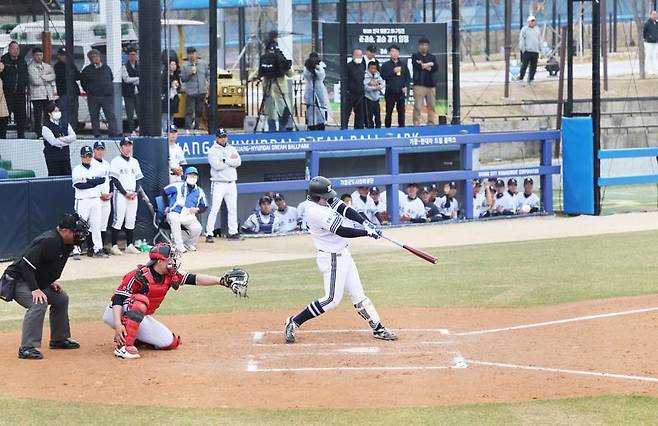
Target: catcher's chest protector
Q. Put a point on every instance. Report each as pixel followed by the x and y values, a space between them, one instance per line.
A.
pixel 157 291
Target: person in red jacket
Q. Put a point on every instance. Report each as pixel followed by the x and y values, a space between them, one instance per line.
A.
pixel 141 292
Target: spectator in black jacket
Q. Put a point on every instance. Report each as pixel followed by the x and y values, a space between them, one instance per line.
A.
pixel 96 79
pixel 64 98
pixel 397 77
pixel 130 88
pixel 171 85
pixel 650 35
pixel 15 80
pixel 424 65
pixel 356 70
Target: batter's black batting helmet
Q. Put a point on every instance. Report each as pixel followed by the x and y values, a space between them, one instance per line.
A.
pixel 320 187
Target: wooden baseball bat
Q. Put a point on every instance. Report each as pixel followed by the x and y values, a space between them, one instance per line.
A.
pixel 423 255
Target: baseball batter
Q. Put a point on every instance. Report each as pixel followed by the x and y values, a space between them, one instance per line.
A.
pixel 324 216
pixel 141 292
pixel 87 181
pixel 126 176
pixel 106 192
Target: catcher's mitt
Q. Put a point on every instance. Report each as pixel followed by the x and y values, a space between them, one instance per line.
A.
pixel 237 280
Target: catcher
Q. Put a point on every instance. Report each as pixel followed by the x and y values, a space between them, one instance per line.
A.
pixel 141 292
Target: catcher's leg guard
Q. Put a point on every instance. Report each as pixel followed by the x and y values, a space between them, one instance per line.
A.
pixel 367 311
pixel 137 306
pixel 174 344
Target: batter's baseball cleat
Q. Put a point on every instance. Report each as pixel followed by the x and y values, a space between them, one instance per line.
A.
pixel 132 249
pixel 383 333
pixel 126 352
pixel 289 331
pixel 115 250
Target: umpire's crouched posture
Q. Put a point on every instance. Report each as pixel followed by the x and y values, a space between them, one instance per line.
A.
pixel 34 281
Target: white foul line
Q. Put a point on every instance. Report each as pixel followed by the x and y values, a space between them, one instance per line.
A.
pixel 566 371
pixel 556 322
pixel 379 368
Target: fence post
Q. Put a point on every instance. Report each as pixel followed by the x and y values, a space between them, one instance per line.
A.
pixel 546 181
pixel 467 164
pixel 392 201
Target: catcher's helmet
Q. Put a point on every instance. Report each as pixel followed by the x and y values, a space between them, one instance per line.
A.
pixel 78 225
pixel 320 187
pixel 165 251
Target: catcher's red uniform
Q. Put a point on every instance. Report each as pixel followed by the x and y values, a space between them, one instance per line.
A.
pixel 142 281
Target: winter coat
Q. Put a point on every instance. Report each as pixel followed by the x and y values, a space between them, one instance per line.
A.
pixel 15 75
pixel 316 97
pixel 530 39
pixel 395 83
pixel 195 84
pixel 372 93
pixel 42 81
pixel 169 92
pixel 97 81
pixel 4 111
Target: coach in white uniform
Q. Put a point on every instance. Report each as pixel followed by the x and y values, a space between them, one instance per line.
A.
pixel 287 215
pixel 106 191
pixel 176 155
pixel 126 176
pixel 324 216
pixel 224 161
pixel 88 180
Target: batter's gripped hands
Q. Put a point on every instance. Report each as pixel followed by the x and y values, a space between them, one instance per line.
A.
pixel 39 296
pixel 372 230
pixel 120 335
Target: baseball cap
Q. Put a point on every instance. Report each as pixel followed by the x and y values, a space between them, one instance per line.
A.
pixel 527 181
pixel 61 51
pixel 191 170
pixel 425 189
pixel 374 190
pixel 434 187
pixel 99 145
pixel 512 181
pixel 531 18
pixel 172 129
pixel 126 141
pixel 279 196
pixel 264 199
pixel 412 184
pixel 221 133
pixel 191 49
pixel 86 151
pixel 452 185
pixel 477 182
pixel 499 183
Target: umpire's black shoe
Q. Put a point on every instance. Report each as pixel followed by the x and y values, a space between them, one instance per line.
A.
pixel 64 344
pixel 26 352
pixel 210 239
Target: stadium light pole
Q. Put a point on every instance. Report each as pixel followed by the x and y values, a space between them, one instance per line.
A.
pixel 212 86
pixel 456 97
pixel 342 22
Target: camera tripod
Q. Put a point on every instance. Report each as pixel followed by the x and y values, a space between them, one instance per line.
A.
pixel 267 93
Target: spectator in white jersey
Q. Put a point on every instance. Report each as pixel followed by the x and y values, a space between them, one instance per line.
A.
pixel 287 215
pixel 431 210
pixel 363 204
pixel 448 204
pixel 381 214
pixel 263 221
pixel 412 208
pixel 504 204
pixel 528 201
pixel 482 203
pixel 176 155
pixel 301 213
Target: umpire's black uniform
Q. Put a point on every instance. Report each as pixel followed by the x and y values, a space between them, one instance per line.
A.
pixel 356 93
pixel 35 273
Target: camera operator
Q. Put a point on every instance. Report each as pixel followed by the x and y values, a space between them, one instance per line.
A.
pixel 273 70
pixel 316 97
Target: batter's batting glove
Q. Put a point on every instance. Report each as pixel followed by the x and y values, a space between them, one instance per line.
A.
pixel 237 280
pixel 372 230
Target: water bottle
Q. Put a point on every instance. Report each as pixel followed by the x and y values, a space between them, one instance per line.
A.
pixel 307 173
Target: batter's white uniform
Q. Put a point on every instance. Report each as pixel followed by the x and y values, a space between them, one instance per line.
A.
pixel 176 159
pixel 127 172
pixel 224 161
pixel 106 206
pixel 88 201
pixel 288 219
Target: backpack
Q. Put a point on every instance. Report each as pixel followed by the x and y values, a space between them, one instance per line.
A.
pixel 273 64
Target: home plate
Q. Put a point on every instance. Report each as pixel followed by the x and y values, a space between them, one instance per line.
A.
pixel 368 350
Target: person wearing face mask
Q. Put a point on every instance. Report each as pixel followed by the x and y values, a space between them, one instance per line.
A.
pixel 185 200
pixel 356 69
pixel 56 141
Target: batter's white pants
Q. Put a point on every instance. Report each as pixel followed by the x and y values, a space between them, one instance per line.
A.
pixel 125 211
pixel 227 191
pixel 651 56
pixel 340 275
pixel 89 209
pixel 106 209
pixel 192 226
pixel 150 331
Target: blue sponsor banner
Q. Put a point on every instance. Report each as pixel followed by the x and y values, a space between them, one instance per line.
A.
pixel 196 147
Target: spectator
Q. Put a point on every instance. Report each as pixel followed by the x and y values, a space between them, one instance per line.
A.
pixel 381 214
pixel 69 113
pixel 274 69
pixel 130 88
pixel 528 202
pixel 431 210
pixel 374 85
pixel 262 221
pixel 185 200
pixel 397 77
pixel 287 215
pixel 412 208
pixel 42 90
pixel 301 213
pixel 482 203
pixel 356 69
pixel 171 85
pixel 448 205
pixel 650 35
pixel 195 85
pixel 224 161
pixel 425 66
pixel 371 52
pixel 363 204
pixel 530 43
pixel 316 97
pixel 96 79
pixel 176 155
pixel 504 204
pixel 14 83
pixel 57 137
pixel 4 112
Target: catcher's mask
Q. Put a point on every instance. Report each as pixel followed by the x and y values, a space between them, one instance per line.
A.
pixel 166 252
pixel 77 225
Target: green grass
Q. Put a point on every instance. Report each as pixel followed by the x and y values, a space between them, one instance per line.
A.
pixel 621 199
pixel 607 410
pixel 520 274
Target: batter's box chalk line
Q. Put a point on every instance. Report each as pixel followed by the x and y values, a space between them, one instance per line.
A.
pixel 257 336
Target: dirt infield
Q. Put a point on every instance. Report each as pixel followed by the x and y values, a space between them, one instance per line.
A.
pixel 444 356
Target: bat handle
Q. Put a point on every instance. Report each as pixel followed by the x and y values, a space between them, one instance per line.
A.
pixel 392 241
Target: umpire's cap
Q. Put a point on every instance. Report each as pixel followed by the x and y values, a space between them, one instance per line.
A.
pixel 86 151
pixel 191 170
pixel 75 223
pixel 126 141
pixel 320 187
pixel 221 133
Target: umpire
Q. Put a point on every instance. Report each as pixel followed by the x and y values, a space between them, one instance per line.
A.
pixel 32 282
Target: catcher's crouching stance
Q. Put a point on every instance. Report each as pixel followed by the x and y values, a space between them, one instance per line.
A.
pixel 141 292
